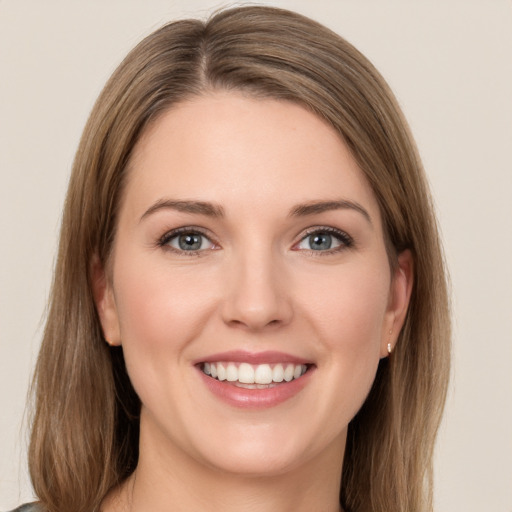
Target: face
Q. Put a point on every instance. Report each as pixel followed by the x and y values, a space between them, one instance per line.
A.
pixel 249 287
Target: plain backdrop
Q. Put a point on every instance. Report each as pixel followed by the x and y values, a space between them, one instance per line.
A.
pixel 450 65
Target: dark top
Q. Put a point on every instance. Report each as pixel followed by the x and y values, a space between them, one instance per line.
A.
pixel 28 507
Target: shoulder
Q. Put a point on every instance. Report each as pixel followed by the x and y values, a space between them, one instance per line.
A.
pixel 29 507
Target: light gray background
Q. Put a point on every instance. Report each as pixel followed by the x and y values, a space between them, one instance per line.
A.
pixel 450 65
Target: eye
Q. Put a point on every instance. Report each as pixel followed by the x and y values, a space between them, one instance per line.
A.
pixel 325 240
pixel 186 241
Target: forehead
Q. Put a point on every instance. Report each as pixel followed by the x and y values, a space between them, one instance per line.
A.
pixel 237 150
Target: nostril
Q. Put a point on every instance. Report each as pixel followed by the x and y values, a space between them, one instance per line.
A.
pixel 253 324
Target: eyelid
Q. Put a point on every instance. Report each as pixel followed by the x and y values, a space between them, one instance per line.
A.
pixel 346 240
pixel 164 240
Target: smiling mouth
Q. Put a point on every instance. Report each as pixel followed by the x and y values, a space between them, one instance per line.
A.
pixel 254 376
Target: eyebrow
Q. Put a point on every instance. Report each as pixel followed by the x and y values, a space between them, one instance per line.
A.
pixel 197 207
pixel 216 211
pixel 316 207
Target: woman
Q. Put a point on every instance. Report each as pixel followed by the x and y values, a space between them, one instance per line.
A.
pixel 249 309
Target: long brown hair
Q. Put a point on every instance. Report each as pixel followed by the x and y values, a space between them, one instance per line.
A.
pixel 85 426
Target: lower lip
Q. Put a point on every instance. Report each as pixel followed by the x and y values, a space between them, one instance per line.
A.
pixel 255 398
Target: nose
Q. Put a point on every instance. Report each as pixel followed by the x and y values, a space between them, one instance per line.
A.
pixel 257 294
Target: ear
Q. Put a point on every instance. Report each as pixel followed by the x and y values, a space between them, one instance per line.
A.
pixel 399 297
pixel 105 302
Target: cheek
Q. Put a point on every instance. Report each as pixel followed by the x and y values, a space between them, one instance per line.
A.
pixel 349 305
pixel 348 319
pixel 154 301
pixel 159 313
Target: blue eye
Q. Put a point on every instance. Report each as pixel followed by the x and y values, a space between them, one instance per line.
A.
pixel 325 240
pixel 187 241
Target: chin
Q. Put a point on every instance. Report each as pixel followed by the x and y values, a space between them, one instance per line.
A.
pixel 254 462
pixel 265 450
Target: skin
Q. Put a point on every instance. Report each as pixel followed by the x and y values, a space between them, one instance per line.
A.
pixel 255 285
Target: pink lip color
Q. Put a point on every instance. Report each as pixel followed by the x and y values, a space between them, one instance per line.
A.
pixel 255 398
pixel 240 356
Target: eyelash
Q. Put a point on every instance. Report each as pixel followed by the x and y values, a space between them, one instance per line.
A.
pixel 163 242
pixel 346 241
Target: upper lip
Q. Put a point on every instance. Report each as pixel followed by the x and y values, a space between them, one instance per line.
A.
pixel 242 356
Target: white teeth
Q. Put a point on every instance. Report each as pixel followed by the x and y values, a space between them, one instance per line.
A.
pixel 231 373
pixel 246 374
pixel 255 386
pixel 263 374
pixel 288 372
pixel 278 373
pixel 260 375
pixel 221 371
